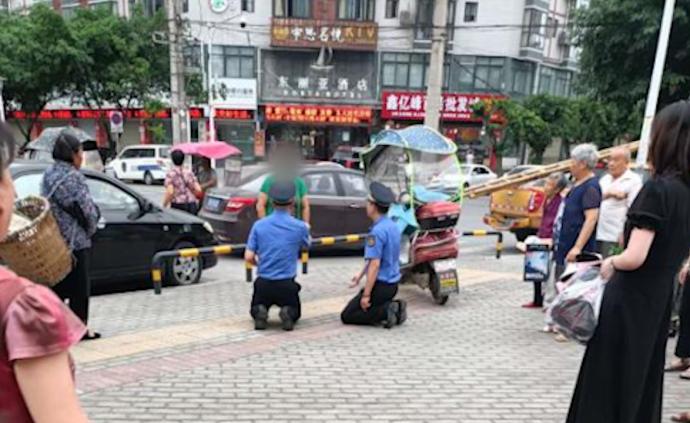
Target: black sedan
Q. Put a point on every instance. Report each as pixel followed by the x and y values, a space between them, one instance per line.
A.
pixel 131 230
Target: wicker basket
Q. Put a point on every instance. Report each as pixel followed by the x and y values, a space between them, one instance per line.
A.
pixel 37 252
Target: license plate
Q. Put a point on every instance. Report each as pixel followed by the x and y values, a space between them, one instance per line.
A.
pixel 447 272
pixel 213 204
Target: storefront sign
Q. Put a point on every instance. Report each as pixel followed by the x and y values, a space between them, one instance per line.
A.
pixel 412 105
pixel 315 33
pixel 90 114
pixel 344 77
pixel 235 93
pixel 335 115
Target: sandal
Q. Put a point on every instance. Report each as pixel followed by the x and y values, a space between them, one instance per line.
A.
pixel 90 336
pixel 678 365
pixel 682 417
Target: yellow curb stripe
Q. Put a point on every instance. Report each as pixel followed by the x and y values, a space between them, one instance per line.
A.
pixel 189 252
pixel 352 238
pixel 222 249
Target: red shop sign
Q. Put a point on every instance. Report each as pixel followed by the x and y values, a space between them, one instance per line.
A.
pixel 334 115
pixel 407 105
pixel 93 114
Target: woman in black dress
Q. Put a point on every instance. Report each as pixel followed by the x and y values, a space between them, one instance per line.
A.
pixel 622 373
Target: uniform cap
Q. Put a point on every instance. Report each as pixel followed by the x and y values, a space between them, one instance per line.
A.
pixel 381 194
pixel 282 192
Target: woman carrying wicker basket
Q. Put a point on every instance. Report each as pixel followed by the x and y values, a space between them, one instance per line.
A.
pixel 36 332
pixel 77 217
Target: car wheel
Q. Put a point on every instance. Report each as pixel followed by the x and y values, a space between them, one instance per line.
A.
pixel 183 271
pixel 466 185
pixel 148 178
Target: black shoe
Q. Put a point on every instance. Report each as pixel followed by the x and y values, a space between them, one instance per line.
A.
pixel 286 318
pixel 391 315
pixel 402 311
pixel 90 336
pixel 260 317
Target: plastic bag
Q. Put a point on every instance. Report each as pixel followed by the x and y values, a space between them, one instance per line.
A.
pixel 575 310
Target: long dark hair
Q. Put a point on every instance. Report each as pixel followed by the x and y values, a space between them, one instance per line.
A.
pixel 669 152
pixel 7 147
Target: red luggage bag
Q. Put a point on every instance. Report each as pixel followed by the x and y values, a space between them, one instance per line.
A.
pixel 438 215
pixel 431 246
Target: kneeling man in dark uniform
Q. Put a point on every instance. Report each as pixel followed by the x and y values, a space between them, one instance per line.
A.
pixel 274 246
pixel 375 303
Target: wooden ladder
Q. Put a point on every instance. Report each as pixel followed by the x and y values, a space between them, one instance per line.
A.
pixel 534 174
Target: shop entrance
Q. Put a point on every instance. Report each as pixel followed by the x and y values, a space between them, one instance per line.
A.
pixel 316 142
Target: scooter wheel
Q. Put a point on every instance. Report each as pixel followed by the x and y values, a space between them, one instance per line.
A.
pixel 435 287
pixel 442 300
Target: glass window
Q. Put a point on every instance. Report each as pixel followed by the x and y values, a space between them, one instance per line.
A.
pixel 425 20
pixel 471 10
pixel 408 70
pixel 233 62
pixel 164 153
pixel 356 10
pixel 130 153
pixel 27 185
pixel 354 185
pixel 534 26
pixel 110 197
pixel 292 8
pixel 488 73
pixel 562 83
pixel 391 9
pixel 417 71
pixel 255 184
pixel 147 153
pixel 551 27
pixel 248 6
pixel 546 78
pixel 321 184
pixel 522 77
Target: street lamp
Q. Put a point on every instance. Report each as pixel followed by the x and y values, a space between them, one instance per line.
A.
pixel 2 102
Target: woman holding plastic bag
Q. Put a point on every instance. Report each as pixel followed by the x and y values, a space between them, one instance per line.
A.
pixel 621 377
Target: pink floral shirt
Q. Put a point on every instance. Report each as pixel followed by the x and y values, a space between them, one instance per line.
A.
pixel 34 323
pixel 183 182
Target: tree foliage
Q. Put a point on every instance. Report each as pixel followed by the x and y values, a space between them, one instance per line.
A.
pixel 618 40
pixel 38 59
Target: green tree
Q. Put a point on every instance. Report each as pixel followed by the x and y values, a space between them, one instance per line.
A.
pixel 38 59
pixel 618 40
pixel 123 67
pixel 527 126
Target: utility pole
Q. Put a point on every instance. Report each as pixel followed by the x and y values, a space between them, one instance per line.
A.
pixel 655 84
pixel 438 47
pixel 178 96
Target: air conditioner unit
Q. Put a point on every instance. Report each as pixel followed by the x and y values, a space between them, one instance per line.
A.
pixel 564 39
pixel 406 18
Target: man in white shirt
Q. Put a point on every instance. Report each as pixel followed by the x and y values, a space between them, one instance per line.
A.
pixel 619 188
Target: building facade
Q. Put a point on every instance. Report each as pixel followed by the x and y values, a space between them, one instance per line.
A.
pixel 325 73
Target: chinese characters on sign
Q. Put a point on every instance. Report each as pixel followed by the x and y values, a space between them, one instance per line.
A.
pixel 321 87
pixel 314 33
pixel 318 114
pixel 412 105
pixel 194 113
pixel 234 93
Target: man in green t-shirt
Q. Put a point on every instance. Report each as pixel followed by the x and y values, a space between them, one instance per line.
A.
pixel 301 209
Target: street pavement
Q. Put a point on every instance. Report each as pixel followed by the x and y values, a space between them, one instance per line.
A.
pixel 190 354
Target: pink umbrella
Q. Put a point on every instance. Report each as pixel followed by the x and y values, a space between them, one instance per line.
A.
pixel 211 150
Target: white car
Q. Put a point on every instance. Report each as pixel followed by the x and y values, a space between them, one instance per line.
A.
pixel 144 163
pixel 476 174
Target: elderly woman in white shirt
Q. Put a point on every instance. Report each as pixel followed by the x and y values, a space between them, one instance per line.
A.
pixel 619 187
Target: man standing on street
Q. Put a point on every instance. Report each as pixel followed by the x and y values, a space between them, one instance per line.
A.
pixel 274 245
pixel 285 165
pixel 619 188
pixel 374 304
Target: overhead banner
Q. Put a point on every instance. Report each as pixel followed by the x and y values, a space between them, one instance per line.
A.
pixel 334 115
pixel 315 33
pixel 410 105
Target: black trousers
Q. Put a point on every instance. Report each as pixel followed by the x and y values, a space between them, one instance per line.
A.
pixel 683 345
pixel 381 297
pixel 76 287
pixel 284 293
pixel 191 208
pixel 538 295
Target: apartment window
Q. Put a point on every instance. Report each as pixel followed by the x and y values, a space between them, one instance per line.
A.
pixel 408 70
pixel 233 62
pixel 533 29
pixel 523 74
pixel 248 6
pixel 546 80
pixel 488 73
pixel 356 10
pixel 551 27
pixel 292 8
pixel 391 9
pixel 425 20
pixel 562 83
pixel 471 9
